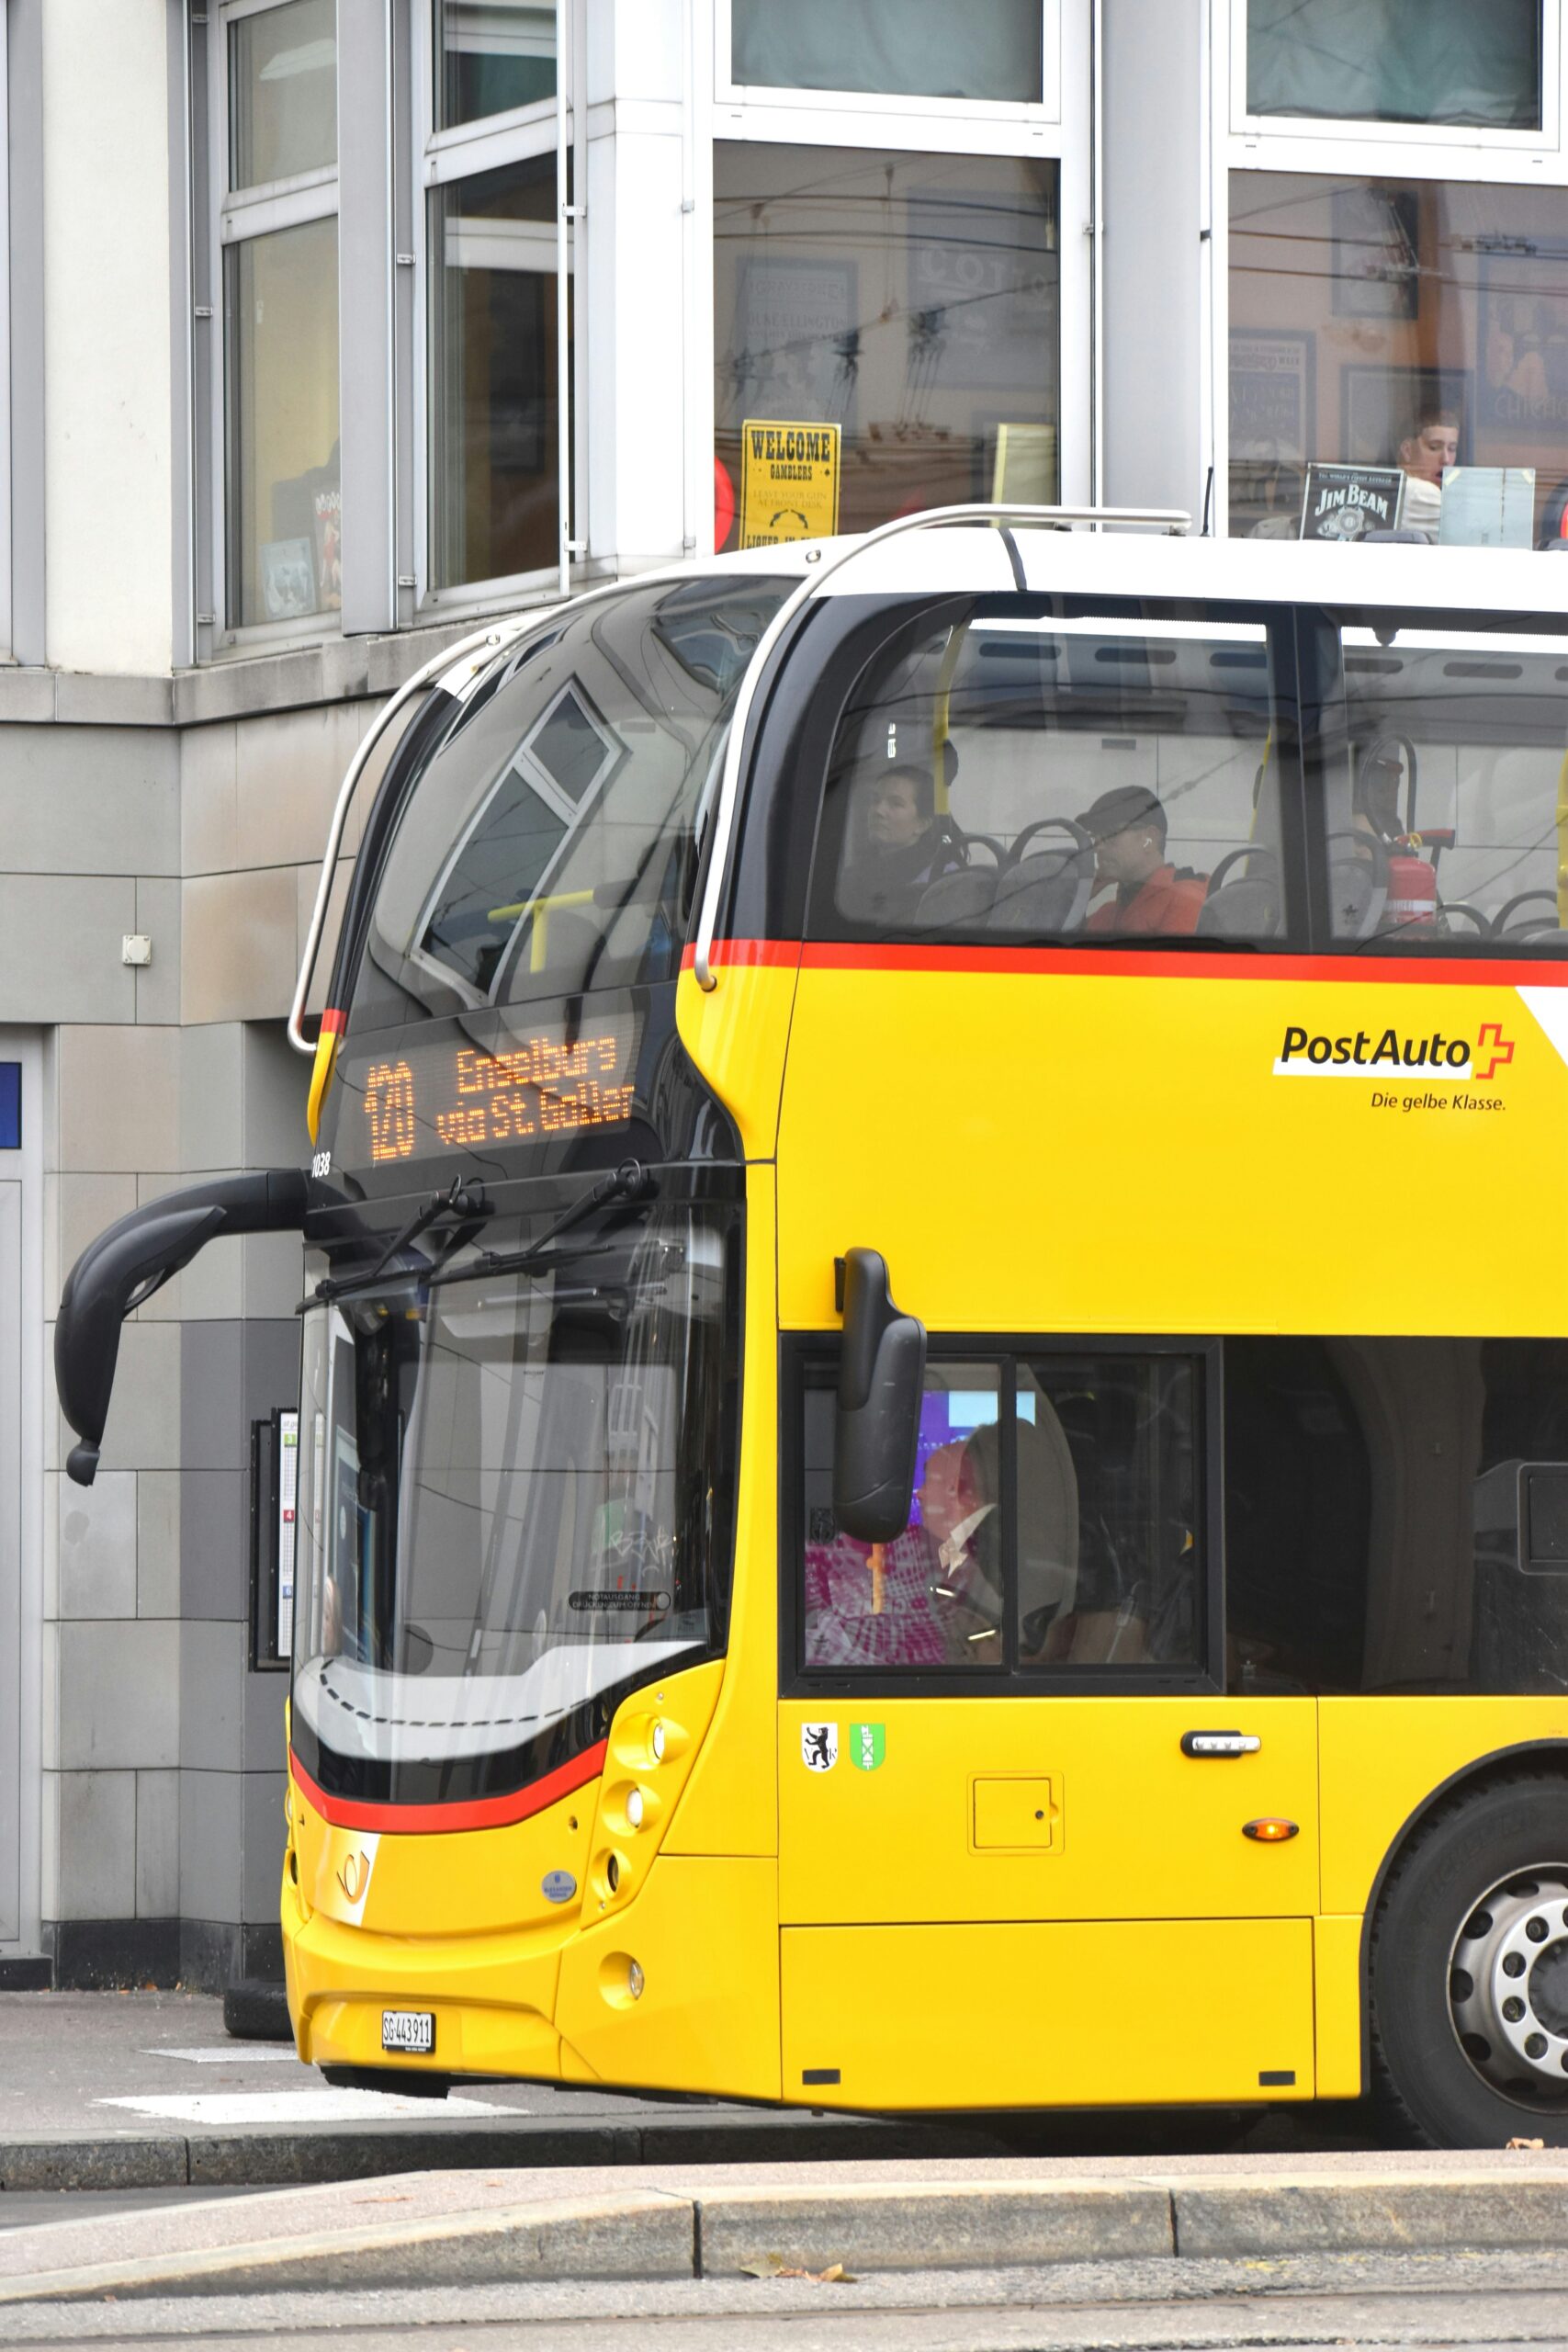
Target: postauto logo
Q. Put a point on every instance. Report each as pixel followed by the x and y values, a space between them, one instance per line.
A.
pixel 1392 1053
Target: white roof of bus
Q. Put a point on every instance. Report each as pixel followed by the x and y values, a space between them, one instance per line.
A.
pixel 1138 562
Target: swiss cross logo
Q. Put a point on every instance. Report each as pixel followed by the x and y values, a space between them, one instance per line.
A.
pixel 1498 1049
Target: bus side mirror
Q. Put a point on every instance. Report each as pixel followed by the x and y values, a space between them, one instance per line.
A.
pixel 132 1258
pixel 877 1426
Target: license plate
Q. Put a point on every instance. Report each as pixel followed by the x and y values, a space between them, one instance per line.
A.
pixel 411 2030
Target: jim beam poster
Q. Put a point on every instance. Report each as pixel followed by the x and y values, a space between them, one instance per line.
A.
pixel 789 481
pixel 1347 502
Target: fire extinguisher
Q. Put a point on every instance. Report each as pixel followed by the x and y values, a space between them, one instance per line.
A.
pixel 1412 887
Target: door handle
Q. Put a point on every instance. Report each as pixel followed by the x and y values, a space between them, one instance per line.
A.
pixel 1220 1743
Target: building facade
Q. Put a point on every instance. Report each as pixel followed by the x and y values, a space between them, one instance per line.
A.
pixel 333 325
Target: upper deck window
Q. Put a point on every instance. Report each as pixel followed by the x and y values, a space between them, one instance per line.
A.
pixel 1443 758
pixel 551 846
pixel 1061 773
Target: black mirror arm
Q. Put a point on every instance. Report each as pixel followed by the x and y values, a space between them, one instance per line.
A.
pixel 130 1261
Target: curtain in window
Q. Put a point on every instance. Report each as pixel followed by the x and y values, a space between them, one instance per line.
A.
pixel 898 48
pixel 1395 61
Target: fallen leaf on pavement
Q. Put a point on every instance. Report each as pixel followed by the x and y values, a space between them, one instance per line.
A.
pixel 774 2265
pixel 1525 2143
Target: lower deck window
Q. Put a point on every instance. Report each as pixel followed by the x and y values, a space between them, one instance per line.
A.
pixel 1396 1514
pixel 1394 1519
pixel 1056 1521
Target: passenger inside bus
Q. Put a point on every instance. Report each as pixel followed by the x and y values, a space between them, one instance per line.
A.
pixel 1129 828
pixel 902 844
pixel 1118 776
pixel 932 1596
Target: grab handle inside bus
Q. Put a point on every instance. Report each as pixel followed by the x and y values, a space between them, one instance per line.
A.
pixel 876 1432
pixel 132 1258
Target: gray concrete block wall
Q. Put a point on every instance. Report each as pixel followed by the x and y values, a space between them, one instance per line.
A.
pixel 162 1749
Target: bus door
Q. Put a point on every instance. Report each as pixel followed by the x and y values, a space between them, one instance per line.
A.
pixel 1028 1854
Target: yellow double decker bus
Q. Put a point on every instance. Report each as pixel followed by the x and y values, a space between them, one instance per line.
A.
pixel 934 1422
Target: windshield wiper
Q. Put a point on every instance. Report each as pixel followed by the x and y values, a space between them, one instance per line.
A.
pixel 630 1181
pixel 465 1200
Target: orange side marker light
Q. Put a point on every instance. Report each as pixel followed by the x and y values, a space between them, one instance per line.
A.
pixel 1271 1831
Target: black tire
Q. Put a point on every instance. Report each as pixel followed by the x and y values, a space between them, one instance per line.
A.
pixel 1507 1836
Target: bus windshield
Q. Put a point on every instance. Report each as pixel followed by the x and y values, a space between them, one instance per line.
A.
pixel 552 844
pixel 514 1497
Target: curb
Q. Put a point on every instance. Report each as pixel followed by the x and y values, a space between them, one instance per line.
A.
pixel 263 2158
pixel 684 2230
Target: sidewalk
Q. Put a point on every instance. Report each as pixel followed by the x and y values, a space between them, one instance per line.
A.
pixel 434 2229
pixel 144 2091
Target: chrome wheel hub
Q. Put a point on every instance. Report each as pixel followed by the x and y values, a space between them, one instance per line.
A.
pixel 1508 1986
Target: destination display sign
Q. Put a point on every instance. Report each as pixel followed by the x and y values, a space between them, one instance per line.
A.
pixel 425 1099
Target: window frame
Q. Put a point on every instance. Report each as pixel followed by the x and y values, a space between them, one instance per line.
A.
pixel 810 1358
pixel 1287 144
pixel 1354 129
pixel 820 918
pixel 1317 626
pixel 443 158
pixel 1055 130
pixel 240 216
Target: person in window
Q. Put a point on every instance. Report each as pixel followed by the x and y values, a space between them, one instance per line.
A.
pixel 901 845
pixel 932 1596
pixel 1128 827
pixel 958 1500
pixel 1427 452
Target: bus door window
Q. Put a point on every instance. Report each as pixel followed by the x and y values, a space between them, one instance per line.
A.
pixel 1060 774
pixel 934 1596
pixel 1444 755
pixel 1110 1548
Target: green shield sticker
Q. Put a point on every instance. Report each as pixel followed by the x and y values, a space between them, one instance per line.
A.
pixel 868 1746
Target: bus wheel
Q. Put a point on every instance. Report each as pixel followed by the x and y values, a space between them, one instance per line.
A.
pixel 1469 1973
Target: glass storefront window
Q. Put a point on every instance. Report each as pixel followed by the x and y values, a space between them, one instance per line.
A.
pixel 282 93
pixel 491 55
pixel 910 301
pixel 894 48
pixel 1418 326
pixel 284 498
pixel 494 471
pixel 1396 61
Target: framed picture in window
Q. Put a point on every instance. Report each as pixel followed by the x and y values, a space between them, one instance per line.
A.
pixel 1374 261
pixel 795 350
pixel 1379 406
pixel 983 288
pixel 1524 344
pixel 1273 394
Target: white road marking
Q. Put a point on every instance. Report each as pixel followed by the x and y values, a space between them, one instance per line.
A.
pixel 235 2054
pixel 299 2107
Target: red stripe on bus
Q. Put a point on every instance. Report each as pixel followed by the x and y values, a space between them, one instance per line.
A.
pixel 824 955
pixel 480 1813
pixel 733 952
pixel 334 1023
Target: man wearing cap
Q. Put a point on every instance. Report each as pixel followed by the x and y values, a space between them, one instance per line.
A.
pixel 1127 826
